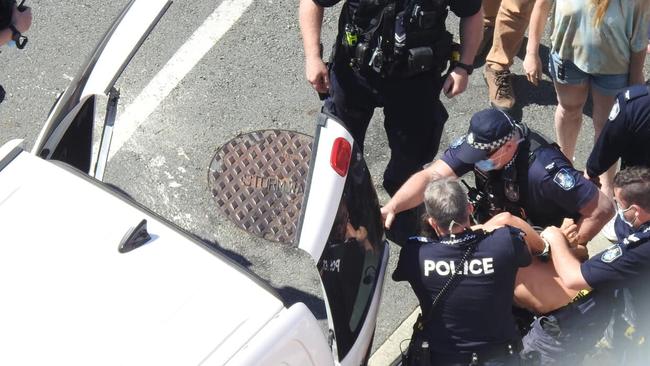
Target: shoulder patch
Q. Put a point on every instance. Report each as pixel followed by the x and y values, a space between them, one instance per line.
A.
pixel 636 91
pixel 418 239
pixel 616 109
pixel 456 143
pixel 564 179
pixel 611 254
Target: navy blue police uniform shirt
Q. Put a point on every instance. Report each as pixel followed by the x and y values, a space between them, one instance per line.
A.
pixel 462 8
pixel 554 189
pixel 476 311
pixel 626 134
pixel 624 265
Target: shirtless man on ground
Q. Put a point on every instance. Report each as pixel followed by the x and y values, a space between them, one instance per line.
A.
pixel 539 289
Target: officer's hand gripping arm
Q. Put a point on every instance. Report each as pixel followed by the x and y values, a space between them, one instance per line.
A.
pixel 565 263
pixel 533 241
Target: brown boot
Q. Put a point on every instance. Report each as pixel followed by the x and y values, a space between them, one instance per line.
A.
pixel 499 88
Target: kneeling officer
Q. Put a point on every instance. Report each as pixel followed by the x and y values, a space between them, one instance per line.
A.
pixel 517 171
pixel 464 282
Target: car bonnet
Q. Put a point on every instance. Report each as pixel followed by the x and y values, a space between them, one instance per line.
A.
pixel 69 296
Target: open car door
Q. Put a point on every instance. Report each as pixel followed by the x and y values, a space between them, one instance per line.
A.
pixel 334 215
pixel 317 193
pixel 67 134
pixel 341 229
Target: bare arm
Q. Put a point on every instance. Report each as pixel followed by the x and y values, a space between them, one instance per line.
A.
pixel 594 216
pixel 637 60
pixel 566 264
pixel 533 240
pixel 411 193
pixel 311 21
pixel 471 33
pixel 532 61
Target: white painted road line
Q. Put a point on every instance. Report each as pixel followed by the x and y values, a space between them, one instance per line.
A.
pixel 183 61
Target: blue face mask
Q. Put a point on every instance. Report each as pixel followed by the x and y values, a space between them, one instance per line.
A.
pixel 485 165
pixel 621 215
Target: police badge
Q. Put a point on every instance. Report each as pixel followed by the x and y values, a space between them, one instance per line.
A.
pixel 564 179
pixel 512 191
pixel 470 138
pixel 611 254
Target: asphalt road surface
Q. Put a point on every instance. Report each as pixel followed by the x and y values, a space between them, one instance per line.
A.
pixel 250 77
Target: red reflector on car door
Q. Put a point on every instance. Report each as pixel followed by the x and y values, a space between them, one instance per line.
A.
pixel 340 158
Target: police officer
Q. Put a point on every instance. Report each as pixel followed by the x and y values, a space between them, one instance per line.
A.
pixel 518 171
pixel 624 137
pixel 623 265
pixel 472 322
pixel 391 54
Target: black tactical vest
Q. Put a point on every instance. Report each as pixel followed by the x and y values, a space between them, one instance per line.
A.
pixel 394 38
pixel 505 190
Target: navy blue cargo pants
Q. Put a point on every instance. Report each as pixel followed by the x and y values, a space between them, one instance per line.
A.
pixel 414 119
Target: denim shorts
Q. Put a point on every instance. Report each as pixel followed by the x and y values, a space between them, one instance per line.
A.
pixel 566 72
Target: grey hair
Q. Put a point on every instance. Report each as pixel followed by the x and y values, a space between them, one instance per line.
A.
pixel 446 201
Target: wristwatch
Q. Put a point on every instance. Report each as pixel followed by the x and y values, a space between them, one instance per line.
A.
pixel 546 253
pixel 466 67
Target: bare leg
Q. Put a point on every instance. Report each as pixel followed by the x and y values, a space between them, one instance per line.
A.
pixel 568 115
pixel 602 106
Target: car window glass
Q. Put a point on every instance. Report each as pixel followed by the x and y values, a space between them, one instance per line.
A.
pixel 350 263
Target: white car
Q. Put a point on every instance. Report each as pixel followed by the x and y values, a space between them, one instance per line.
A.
pixel 90 277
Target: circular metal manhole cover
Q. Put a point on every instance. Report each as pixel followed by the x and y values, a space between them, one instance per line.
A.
pixel 258 181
